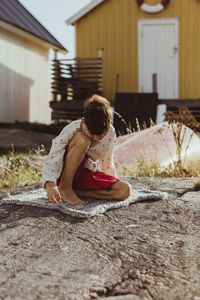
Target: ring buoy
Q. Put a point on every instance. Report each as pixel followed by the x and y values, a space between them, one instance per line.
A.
pixel 152 8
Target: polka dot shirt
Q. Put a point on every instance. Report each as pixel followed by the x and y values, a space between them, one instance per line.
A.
pixel 100 153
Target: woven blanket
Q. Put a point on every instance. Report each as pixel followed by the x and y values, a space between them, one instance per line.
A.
pixel 94 207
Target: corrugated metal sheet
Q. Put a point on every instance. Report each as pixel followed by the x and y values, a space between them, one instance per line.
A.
pixel 113 26
pixel 13 12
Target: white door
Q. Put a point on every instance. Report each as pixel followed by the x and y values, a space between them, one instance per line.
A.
pixel 158 54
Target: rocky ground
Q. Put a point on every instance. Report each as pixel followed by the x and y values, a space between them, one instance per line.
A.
pixel 22 139
pixel 146 251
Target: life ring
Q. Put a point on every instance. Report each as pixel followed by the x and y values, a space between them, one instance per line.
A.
pixel 152 8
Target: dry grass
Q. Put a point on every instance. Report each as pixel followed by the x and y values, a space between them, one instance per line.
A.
pixel 177 168
pixel 15 171
pixel 153 169
pixel 179 123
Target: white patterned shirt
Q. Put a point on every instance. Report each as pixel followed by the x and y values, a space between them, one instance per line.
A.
pixel 100 153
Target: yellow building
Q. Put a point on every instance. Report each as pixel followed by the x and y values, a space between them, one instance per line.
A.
pixel 139 38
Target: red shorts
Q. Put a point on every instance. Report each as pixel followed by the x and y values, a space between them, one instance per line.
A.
pixel 85 179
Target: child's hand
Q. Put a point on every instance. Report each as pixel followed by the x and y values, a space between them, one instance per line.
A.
pixel 53 193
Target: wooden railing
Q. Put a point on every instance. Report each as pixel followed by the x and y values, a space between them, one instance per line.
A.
pixel 174 104
pixel 143 107
pixel 74 80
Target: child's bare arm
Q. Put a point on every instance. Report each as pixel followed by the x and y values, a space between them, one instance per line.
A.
pixel 52 166
pixel 52 192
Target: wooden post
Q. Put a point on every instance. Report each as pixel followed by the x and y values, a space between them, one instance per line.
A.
pixel 55 54
pixel 155 82
pixel 55 58
pixel 100 52
pixel 117 83
pixel 100 55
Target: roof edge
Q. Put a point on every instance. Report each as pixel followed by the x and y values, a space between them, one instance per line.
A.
pixel 30 36
pixel 60 46
pixel 73 19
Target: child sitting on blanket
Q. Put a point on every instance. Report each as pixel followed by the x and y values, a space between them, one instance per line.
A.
pixel 80 162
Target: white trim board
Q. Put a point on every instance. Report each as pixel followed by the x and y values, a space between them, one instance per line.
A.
pixel 158 21
pixel 26 35
pixel 73 19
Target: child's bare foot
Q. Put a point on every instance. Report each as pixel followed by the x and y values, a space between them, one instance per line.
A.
pixel 68 196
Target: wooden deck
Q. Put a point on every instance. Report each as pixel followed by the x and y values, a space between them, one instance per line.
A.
pixel 143 107
pixel 174 104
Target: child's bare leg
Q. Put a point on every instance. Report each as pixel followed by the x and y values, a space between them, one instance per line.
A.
pixel 76 151
pixel 119 190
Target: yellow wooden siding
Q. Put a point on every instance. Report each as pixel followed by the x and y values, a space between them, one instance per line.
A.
pixel 113 26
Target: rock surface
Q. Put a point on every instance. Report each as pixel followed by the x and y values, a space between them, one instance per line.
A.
pixel 24 139
pixel 157 144
pixel 146 251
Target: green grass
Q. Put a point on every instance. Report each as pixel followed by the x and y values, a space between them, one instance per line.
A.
pixel 15 171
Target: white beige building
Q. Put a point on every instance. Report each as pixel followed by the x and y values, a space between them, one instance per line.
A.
pixel 24 65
